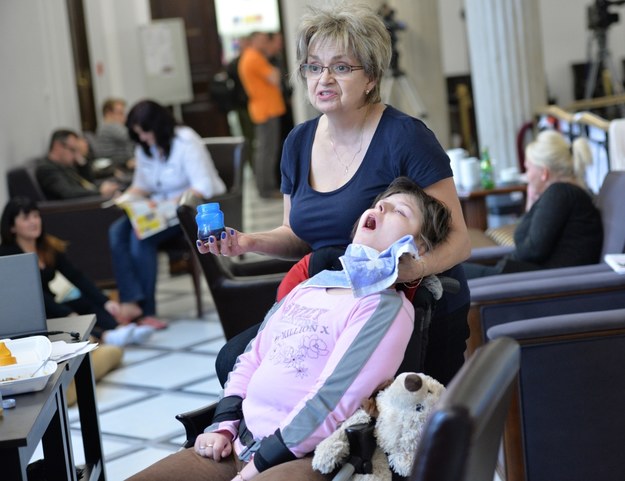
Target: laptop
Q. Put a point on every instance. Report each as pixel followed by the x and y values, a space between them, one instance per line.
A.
pixel 22 309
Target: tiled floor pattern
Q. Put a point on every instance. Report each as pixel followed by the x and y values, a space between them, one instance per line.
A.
pixel 171 373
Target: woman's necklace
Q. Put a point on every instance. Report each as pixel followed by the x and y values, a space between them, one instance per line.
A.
pixel 362 131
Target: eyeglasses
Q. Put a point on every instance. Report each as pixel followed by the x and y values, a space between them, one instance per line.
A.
pixel 71 148
pixel 340 70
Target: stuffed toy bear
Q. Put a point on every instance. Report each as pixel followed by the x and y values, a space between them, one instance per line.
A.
pixel 400 410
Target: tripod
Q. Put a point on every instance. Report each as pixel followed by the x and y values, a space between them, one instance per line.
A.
pixel 603 59
pixel 407 88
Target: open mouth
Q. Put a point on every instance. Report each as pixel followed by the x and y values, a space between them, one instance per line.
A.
pixel 370 222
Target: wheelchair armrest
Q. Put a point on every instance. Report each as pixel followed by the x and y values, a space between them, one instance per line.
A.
pixel 196 421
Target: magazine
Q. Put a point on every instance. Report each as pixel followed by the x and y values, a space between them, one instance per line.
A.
pixel 616 262
pixel 147 216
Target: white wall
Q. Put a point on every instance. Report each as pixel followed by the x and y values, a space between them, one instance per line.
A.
pixel 38 89
pixel 114 48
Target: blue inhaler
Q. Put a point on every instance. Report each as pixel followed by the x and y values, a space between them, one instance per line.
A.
pixel 210 221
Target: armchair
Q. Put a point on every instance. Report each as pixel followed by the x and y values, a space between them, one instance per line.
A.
pixel 241 300
pixel 462 437
pixel 556 291
pixel 83 223
pixel 566 420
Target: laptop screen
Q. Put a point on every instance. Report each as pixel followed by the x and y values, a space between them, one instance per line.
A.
pixel 22 309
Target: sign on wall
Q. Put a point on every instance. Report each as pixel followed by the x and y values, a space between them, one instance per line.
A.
pixel 240 17
pixel 166 61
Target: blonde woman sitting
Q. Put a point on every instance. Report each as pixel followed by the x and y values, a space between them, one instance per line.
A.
pixel 562 226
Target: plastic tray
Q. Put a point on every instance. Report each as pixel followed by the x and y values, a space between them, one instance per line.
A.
pixel 29 353
pixel 23 383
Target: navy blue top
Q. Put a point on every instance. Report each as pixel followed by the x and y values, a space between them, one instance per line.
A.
pixel 401 145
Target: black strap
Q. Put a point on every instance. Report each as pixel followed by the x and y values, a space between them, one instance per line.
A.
pixel 245 435
pixel 326 258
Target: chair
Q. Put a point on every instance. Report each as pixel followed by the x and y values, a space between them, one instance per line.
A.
pixel 241 300
pixel 196 421
pixel 461 439
pixel 561 291
pixel 567 419
pixel 83 223
pixel 226 153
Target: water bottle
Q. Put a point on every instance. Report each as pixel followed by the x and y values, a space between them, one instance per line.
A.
pixel 486 170
pixel 210 221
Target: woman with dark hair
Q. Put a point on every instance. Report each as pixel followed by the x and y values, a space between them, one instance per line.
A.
pixel 170 160
pixel 21 231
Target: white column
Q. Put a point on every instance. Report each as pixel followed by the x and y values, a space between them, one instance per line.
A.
pixel 421 58
pixel 507 71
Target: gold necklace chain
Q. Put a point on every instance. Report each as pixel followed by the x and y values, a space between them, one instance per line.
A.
pixel 362 131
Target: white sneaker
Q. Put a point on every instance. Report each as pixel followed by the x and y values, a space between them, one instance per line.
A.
pixel 140 334
pixel 120 336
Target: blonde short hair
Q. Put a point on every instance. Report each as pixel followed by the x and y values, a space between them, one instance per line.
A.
pixel 354 27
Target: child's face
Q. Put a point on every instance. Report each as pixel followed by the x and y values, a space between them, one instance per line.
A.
pixel 390 220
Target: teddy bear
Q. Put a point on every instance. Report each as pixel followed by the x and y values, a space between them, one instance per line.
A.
pixel 399 412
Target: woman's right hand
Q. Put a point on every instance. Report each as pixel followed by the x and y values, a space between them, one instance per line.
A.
pixel 227 245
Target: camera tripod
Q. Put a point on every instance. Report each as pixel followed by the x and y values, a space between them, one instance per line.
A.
pixel 407 88
pixel 603 60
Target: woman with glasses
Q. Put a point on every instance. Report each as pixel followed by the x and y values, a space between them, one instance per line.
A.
pixel 334 165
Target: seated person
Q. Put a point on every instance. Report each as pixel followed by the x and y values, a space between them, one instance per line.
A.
pixel 318 353
pixel 61 176
pixel 171 161
pixel 562 226
pixel 111 139
pixel 21 231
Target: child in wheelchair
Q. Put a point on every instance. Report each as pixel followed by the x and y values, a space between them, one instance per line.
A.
pixel 320 351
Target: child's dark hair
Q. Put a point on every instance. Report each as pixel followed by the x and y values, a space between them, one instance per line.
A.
pixel 436 215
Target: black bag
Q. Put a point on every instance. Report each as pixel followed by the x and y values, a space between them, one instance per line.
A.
pixel 223 92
